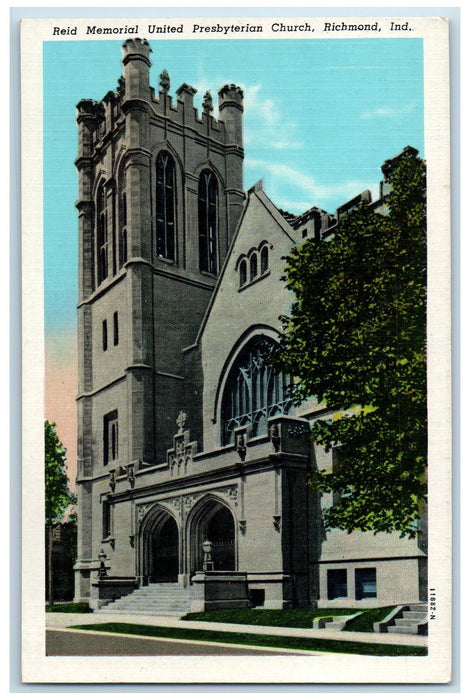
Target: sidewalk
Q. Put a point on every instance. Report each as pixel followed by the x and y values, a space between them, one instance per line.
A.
pixel 64 620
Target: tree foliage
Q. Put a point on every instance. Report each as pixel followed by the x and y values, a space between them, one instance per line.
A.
pixel 58 495
pixel 356 340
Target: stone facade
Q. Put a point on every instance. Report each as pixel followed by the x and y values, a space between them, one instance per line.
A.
pixel 184 434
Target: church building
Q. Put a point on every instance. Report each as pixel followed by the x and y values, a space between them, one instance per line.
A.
pixel 193 461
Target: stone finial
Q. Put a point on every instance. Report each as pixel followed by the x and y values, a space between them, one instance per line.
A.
pixel 164 80
pixel 207 103
pixel 121 85
pixel 180 421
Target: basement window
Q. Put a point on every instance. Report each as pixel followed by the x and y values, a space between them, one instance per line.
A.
pixel 366 583
pixel 337 583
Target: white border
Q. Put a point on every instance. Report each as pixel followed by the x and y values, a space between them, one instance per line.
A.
pixel 435 667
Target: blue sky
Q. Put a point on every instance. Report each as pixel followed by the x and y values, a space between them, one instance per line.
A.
pixel 321 116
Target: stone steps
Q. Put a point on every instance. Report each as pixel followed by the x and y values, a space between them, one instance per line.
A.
pixel 406 619
pixel 155 599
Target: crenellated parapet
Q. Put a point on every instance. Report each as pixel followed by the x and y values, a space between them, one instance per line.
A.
pixel 134 94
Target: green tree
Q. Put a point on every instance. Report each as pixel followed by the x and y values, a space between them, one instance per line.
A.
pixel 356 339
pixel 58 496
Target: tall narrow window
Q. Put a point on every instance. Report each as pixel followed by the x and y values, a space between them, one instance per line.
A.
pixel 115 328
pixel 253 266
pixel 105 335
pixel 165 206
pixel 242 272
pixel 207 216
pixel 102 235
pixel 110 437
pixel 122 229
pixel 107 520
pixel 264 259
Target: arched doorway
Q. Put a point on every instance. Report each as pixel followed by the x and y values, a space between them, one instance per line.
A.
pixel 160 548
pixel 165 552
pixel 213 521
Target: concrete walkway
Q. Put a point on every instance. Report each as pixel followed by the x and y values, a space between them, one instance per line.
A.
pixel 64 620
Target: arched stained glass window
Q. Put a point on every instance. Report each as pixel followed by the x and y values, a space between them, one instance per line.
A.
pixel 102 235
pixel 207 217
pixel 254 391
pixel 166 206
pixel 253 266
pixel 264 259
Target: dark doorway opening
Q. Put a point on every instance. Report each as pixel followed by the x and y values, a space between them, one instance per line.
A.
pixel 165 553
pixel 221 532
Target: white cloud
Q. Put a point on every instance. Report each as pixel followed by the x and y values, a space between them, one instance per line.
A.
pixel 312 193
pixel 264 123
pixel 389 111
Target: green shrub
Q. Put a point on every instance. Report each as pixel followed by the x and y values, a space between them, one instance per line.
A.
pixel 69 608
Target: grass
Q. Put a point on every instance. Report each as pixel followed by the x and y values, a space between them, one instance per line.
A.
pixel 69 608
pixel 365 622
pixel 263 640
pixel 270 618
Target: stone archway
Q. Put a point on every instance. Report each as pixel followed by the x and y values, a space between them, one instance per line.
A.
pixel 160 539
pixel 212 520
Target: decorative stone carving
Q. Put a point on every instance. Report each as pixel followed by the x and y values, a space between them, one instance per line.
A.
pixel 112 480
pixel 130 475
pixel 180 422
pixel 232 493
pixel 277 522
pixel 181 456
pixel 241 445
pixel 275 436
pixel 242 526
pixel 189 501
pixel 142 511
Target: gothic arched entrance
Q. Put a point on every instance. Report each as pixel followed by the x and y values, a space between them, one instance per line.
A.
pixel 213 521
pixel 161 548
pixel 164 556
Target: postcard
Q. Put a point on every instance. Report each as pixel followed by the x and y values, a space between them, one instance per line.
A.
pixel 236 350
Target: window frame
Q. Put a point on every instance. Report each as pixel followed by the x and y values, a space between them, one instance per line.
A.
pixel 360 580
pixel 165 206
pixel 110 437
pixel 208 203
pixel 331 584
pixel 247 390
pixel 122 229
pixel 115 329
pixel 104 335
pixel 264 260
pixel 102 242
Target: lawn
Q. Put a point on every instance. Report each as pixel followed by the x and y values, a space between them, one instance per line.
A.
pixel 294 618
pixel 262 640
pixel 270 618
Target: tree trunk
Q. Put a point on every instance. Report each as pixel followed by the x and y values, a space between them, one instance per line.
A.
pixel 49 566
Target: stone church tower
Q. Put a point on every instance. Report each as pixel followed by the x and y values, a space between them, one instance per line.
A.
pixel 160 196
